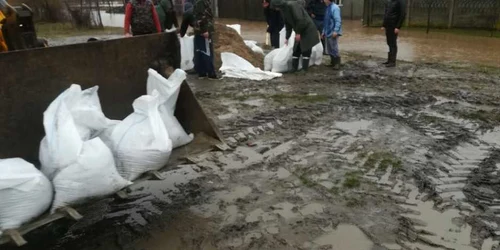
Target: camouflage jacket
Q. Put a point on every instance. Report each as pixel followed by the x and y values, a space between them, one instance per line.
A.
pixel 204 19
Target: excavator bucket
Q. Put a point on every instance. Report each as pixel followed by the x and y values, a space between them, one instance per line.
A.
pixel 35 77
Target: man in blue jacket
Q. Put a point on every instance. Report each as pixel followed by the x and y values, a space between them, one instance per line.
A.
pixel 332 30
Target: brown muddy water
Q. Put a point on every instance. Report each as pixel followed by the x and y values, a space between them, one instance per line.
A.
pixel 414 45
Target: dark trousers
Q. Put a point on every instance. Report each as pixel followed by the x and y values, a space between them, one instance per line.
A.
pixel 297 52
pixel 203 56
pixel 392 40
pixel 319 26
pixel 275 39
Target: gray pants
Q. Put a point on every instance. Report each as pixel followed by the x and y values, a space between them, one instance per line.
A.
pixel 332 46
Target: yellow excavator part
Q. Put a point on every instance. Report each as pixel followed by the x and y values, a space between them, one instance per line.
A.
pixel 3 44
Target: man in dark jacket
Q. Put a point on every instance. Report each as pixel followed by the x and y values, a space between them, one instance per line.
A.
pixel 203 46
pixel 395 13
pixel 167 15
pixel 187 19
pixel 317 9
pixel 274 23
pixel 306 35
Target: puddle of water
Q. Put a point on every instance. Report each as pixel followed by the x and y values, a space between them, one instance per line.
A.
pixel 283 173
pixel 231 215
pixel 492 137
pixel 285 210
pixel 354 127
pixel 242 157
pixel 255 102
pixel 489 243
pixel 446 232
pixel 312 209
pixel 279 150
pixel 272 230
pixel 236 193
pixel 259 214
pixel 346 236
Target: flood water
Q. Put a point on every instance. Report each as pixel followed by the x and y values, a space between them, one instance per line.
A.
pixel 414 45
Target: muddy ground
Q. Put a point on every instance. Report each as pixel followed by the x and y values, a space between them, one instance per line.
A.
pixel 366 158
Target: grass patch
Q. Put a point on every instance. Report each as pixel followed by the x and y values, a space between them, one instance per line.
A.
pixel 352 182
pixel 384 160
pixel 286 98
pixel 481 115
pixel 55 30
pixel 306 181
pixel 335 190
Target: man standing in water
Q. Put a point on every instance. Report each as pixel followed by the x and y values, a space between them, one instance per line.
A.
pixel 306 35
pixel 395 13
pixel 274 23
pixel 317 9
pixel 332 31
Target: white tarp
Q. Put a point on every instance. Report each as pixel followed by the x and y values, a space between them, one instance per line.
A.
pixel 169 93
pixel 236 67
pixel 236 27
pixel 25 193
pixel 140 143
pixel 253 46
pixel 187 52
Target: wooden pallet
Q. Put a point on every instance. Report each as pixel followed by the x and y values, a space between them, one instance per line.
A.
pixel 16 235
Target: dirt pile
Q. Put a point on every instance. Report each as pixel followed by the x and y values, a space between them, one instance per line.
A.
pixel 228 40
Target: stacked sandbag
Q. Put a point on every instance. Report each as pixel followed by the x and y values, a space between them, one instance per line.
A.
pixel 236 27
pixel 80 166
pixel 140 143
pixel 254 47
pixel 25 193
pixel 168 90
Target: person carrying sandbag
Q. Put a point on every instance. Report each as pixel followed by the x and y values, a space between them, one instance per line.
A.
pixel 297 19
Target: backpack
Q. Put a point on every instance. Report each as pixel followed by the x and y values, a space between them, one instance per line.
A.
pixel 142 18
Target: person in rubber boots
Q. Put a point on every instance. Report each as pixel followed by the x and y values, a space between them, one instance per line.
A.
pixel 141 17
pixel 297 19
pixel 317 10
pixel 203 45
pixel 274 23
pixel 167 15
pixel 395 13
pixel 332 30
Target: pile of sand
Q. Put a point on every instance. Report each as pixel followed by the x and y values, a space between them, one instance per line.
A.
pixel 228 40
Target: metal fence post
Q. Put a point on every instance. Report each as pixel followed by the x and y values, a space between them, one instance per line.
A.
pixel 429 16
pixel 408 12
pixel 452 12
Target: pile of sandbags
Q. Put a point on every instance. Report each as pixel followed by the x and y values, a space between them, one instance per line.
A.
pixel 280 60
pixel 79 164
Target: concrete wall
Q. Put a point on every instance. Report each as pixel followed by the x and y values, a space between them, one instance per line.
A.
pixel 31 79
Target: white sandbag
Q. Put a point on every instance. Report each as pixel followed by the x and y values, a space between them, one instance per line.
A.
pixel 92 175
pixel 268 60
pixel 74 116
pixel 316 55
pixel 168 90
pixel 254 47
pixel 141 142
pixel 236 67
pixel 187 52
pixel 25 193
pixel 282 60
pixel 236 27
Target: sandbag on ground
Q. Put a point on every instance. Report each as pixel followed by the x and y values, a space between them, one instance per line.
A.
pixel 169 93
pixel 25 193
pixel 237 67
pixel 141 142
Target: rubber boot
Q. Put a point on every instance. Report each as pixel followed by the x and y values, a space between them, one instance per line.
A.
pixel 305 64
pixel 336 66
pixel 332 61
pixel 295 64
pixel 388 59
pixel 324 48
pixel 392 61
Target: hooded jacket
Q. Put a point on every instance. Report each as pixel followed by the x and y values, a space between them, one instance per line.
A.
pixel 297 19
pixel 166 14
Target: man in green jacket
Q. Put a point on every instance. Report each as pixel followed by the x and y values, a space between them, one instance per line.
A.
pixel 306 35
pixel 167 15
